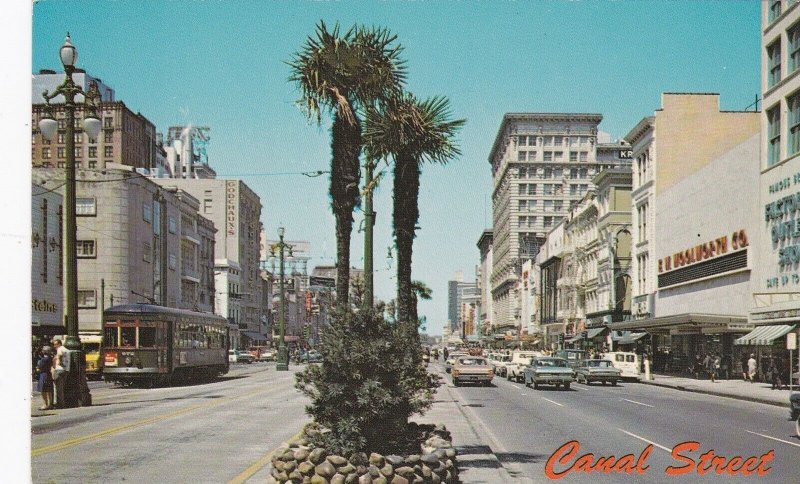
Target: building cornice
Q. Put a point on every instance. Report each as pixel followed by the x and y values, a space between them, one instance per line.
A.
pixel 640 129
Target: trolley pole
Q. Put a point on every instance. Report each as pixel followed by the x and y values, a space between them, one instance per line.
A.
pixel 283 354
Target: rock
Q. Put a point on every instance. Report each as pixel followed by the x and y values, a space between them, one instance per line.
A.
pixel 359 459
pixel 306 480
pixel 346 469
pixel 430 459
pixel 301 454
pixel 449 464
pixel 295 476
pixel 395 460
pixel 325 470
pixel 278 465
pixel 435 479
pixel 418 480
pixel 337 460
pixel 337 479
pixel 317 455
pixel 387 470
pixel 271 480
pixel 305 467
pixel 351 478
pixel 426 472
pixel 365 479
pixel 450 453
pixel 376 460
pixel 448 477
pixel 374 471
pixel 361 470
pixel 281 477
pixel 315 479
pixel 380 480
pixel 289 466
pixel 288 455
pixel 397 479
pixel 441 454
pixel 405 471
pixel 413 459
pixel 302 441
pixel 428 449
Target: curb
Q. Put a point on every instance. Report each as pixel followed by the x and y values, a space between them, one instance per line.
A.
pixel 717 394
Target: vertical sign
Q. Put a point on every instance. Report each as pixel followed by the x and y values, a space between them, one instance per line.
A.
pixel 791 345
pixel 230 207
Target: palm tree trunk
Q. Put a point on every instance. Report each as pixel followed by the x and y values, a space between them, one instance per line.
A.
pixel 405 215
pixel 345 179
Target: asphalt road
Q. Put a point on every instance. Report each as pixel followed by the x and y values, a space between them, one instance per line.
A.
pixel 527 426
pixel 201 433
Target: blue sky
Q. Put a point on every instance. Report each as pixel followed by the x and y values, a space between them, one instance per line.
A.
pixel 222 64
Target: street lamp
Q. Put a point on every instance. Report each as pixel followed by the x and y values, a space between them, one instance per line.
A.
pixel 76 390
pixel 283 355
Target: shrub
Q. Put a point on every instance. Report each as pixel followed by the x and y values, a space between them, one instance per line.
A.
pixel 370 381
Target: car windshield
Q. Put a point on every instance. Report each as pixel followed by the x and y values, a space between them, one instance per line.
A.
pixel 598 363
pixel 504 358
pixel 471 361
pixel 552 363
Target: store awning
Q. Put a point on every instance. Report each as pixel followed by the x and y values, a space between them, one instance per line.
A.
pixel 590 334
pixel 685 321
pixel 764 335
pixel 254 336
pixel 626 337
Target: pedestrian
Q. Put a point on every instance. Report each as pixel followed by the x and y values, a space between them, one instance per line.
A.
pixel 751 367
pixel 45 377
pixel 744 366
pixel 445 353
pixel 775 373
pixel 60 364
pixel 710 366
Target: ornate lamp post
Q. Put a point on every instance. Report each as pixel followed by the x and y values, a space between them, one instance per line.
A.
pixel 283 354
pixel 76 391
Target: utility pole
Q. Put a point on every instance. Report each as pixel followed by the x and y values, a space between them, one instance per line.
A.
pixel 369 223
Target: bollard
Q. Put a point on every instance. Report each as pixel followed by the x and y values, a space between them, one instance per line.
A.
pixel 647 369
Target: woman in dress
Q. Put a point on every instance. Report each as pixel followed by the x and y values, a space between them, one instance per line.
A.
pixel 45 384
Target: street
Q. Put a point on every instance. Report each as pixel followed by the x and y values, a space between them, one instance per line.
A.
pixel 203 433
pixel 524 427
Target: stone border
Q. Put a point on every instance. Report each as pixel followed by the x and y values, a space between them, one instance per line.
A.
pixel 302 462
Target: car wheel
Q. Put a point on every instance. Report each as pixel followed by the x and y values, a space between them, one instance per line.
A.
pixel 558 386
pixel 527 383
pixel 613 383
pixel 797 426
pixel 604 382
pixel 520 378
pixel 508 376
pixel 566 386
pixel 535 386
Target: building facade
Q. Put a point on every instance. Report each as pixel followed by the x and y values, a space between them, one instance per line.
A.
pixel 484 284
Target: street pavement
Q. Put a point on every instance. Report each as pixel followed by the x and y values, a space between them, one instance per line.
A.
pixel 743 390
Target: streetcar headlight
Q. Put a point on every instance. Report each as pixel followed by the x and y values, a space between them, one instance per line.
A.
pixel 128 360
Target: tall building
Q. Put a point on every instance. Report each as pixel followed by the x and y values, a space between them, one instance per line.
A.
pixel 47 255
pixel 236 211
pixel 186 154
pixel 542 164
pixel 484 285
pixel 136 242
pixel 126 138
pixel 776 274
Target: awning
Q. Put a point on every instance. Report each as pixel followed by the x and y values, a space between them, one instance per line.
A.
pixel 626 337
pixel 764 335
pixel 590 334
pixel 687 320
pixel 254 336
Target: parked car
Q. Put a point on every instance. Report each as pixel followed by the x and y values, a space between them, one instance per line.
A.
pixel 500 363
pixel 310 356
pixel 451 359
pixel 268 354
pixel 794 405
pixel 597 370
pixel 240 356
pixel 627 362
pixel 473 369
pixel 519 361
pixel 549 370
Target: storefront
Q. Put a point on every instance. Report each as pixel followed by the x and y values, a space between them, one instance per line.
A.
pixel 767 344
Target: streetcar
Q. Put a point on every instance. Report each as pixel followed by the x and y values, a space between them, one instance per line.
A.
pixel 156 345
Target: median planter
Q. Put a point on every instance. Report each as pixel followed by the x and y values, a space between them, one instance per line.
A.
pixel 305 462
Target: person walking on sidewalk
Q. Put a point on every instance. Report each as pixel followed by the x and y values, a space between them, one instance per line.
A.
pixel 775 373
pixel 45 378
pixel 708 363
pixel 59 372
pixel 751 367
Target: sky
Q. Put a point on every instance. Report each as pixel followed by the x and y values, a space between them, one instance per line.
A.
pixel 223 64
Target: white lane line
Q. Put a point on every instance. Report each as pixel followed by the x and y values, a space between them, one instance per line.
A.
pixel 645 440
pixel 552 402
pixel 638 403
pixel 773 438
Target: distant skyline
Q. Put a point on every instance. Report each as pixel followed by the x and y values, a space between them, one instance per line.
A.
pixel 223 64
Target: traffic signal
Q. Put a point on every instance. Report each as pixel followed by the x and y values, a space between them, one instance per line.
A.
pixel 307 332
pixel 561 339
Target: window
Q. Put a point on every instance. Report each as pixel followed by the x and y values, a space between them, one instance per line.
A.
pixel 147 252
pixel 793 35
pixel 61 138
pixel 548 141
pixel 548 189
pixel 87 298
pixel 147 213
pixel 558 156
pixel 573 189
pixel 62 164
pixel 793 145
pixel 523 189
pixel 108 136
pixel 92 164
pixel 108 151
pixel 548 205
pixel 522 140
pixel 548 221
pixel 78 137
pixel 558 140
pixel 62 124
pixel 548 156
pixel 573 156
pixel 522 172
pixel 583 172
pixel 774 135
pixel 85 249
pixel 558 172
pixel 548 173
pixel 532 189
pixel 774 9
pixel 93 152
pixel 173 261
pixel 85 207
pixel 78 152
pixel 558 205
pixel 583 156
pixel 173 225
pixel 521 155
pixel 774 63
pixel 573 173
pixel 108 121
pixel 523 205
pixel 46 153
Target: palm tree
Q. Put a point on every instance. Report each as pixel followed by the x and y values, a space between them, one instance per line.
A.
pixel 411 132
pixel 342 74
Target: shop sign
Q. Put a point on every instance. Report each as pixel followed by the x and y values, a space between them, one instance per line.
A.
pixel 791 341
pixel 782 220
pixel 44 306
pixel 713 248
pixel 683 331
pixel 230 207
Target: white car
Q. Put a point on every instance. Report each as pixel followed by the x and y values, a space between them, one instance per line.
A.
pixel 451 359
pixel 515 369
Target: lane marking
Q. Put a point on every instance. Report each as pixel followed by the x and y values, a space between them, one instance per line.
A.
pixel 645 440
pixel 260 463
pixel 115 430
pixel 774 438
pixel 638 403
pixel 560 405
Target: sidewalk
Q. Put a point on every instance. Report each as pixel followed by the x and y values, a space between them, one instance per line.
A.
pixel 760 392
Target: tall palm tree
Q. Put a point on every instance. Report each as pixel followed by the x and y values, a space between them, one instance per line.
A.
pixel 411 132
pixel 342 74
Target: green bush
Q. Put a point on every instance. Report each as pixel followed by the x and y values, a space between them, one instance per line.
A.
pixel 370 381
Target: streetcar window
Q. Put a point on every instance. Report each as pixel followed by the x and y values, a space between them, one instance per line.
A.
pixel 110 336
pixel 128 337
pixel 147 337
